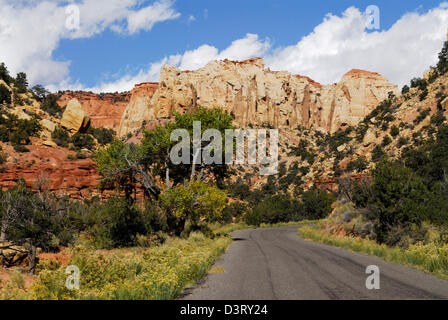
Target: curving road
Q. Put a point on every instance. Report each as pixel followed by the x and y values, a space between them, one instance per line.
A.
pixel 276 264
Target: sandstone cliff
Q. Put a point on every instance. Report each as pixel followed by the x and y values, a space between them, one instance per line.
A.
pixel 138 109
pixel 256 95
pixel 105 110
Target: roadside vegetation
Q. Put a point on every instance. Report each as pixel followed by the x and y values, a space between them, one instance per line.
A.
pixel 399 211
pixel 129 247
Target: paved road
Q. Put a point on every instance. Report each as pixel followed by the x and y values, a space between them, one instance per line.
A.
pixel 270 264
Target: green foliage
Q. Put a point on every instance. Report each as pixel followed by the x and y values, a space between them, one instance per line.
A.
pixel 397 197
pixel 378 154
pixel 124 165
pixel 402 142
pixel 5 95
pixel 103 135
pixel 21 82
pixel 316 204
pixel 193 203
pixel 114 169
pixel 35 219
pixel 386 141
pixel 438 119
pixel 394 131
pixel 83 141
pixel 405 89
pixel 4 74
pixel 442 65
pixel 3 157
pixel 273 209
pixel 358 165
pixel 61 137
pixel 49 104
pixel 116 223
pixel 21 148
pixel 17 131
pixel 235 211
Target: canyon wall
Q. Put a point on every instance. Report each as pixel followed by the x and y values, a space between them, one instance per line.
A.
pixel 256 95
pixel 104 110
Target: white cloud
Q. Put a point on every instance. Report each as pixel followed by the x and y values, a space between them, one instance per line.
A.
pixel 240 49
pixel 30 31
pixel 336 45
pixel 339 44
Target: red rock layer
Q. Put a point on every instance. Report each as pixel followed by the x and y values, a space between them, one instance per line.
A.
pixel 105 110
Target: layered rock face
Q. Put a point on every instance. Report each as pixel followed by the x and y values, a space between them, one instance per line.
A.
pixel 138 109
pixel 105 110
pixel 78 178
pixel 255 95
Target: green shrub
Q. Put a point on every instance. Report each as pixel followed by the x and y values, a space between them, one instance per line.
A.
pixel 116 223
pixel 60 137
pixel 316 204
pixel 83 141
pixel 274 209
pixel 3 157
pixel 4 74
pixel 5 95
pixel 358 165
pixel 234 210
pixel 49 104
pixel 402 142
pixel 378 154
pixel 21 148
pixel 394 131
pixel 386 141
pixel 103 135
pixel 422 116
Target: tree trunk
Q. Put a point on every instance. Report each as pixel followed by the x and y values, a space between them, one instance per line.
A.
pixel 180 227
pixel 32 255
pixel 3 232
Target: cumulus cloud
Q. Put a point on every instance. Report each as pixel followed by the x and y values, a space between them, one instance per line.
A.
pixel 336 45
pixel 241 49
pixel 30 31
pixel 339 44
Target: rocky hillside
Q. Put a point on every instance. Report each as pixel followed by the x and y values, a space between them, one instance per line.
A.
pixel 258 96
pixel 326 131
pixel 105 110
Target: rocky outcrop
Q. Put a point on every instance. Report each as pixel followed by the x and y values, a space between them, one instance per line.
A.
pixel 12 256
pixel 104 110
pixel 138 109
pixel 77 178
pixel 75 119
pixel 255 95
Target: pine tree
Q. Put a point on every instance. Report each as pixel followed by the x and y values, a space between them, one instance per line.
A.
pixel 442 66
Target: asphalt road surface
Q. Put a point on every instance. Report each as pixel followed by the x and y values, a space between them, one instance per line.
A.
pixel 276 264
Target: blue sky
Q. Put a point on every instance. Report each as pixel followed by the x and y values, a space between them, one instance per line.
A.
pixel 94 59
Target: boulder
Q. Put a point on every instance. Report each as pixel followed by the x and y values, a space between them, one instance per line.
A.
pixel 49 143
pixel 12 256
pixel 369 138
pixel 75 119
pixel 48 125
